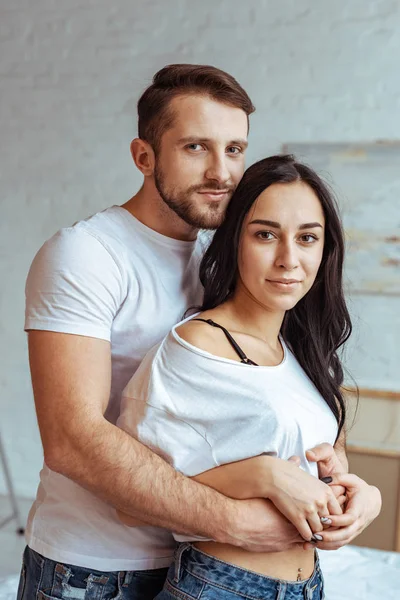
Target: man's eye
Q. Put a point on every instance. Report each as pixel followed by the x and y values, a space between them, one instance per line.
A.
pixel 234 150
pixel 194 147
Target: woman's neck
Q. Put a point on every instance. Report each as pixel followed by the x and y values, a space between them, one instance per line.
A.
pixel 249 316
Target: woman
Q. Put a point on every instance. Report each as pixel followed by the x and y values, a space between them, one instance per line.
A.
pixel 254 379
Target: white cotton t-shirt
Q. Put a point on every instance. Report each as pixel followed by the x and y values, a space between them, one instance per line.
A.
pixel 108 277
pixel 199 411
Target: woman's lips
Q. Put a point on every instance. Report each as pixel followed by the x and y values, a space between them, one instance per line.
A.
pixel 285 285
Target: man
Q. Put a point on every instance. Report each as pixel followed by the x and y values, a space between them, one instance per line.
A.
pixel 100 294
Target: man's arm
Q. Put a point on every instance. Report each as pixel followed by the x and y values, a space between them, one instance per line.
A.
pixel 241 480
pixel 71 378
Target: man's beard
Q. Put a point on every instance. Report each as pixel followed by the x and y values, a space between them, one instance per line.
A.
pixel 212 214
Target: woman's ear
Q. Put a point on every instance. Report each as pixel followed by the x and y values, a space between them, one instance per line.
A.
pixel 143 156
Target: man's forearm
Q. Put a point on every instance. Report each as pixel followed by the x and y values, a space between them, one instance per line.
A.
pixel 126 474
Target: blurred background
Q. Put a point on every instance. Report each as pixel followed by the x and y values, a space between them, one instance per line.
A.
pixel 324 77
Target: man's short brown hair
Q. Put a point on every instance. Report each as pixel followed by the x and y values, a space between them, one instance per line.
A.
pixel 154 115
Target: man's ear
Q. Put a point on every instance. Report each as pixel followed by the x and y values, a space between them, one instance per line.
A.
pixel 143 156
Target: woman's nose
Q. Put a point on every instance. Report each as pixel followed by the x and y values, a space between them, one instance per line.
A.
pixel 287 257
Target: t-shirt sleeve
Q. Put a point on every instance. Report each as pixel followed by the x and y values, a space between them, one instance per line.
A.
pixel 154 414
pixel 74 286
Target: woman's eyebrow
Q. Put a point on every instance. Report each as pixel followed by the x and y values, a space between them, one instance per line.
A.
pixel 310 225
pixel 277 225
pixel 265 222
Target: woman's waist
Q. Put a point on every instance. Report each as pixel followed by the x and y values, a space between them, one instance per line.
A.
pixel 287 565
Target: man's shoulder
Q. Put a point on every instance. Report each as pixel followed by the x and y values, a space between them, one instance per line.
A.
pixel 82 254
pixel 97 237
pixel 108 227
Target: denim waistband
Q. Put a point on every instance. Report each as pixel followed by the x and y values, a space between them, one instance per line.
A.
pixel 236 579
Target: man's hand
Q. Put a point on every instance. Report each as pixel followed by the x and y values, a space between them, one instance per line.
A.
pixel 329 464
pixel 327 459
pixel 264 529
pixel 363 505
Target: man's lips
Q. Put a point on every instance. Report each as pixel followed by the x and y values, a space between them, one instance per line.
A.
pixel 214 194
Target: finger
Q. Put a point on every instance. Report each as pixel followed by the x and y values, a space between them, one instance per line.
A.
pixel 295 459
pixel 321 452
pixel 348 480
pixel 342 520
pixel 308 546
pixel 314 521
pixel 342 500
pixel 302 526
pixel 326 521
pixel 334 506
pixel 304 529
pixel 338 490
pixel 325 518
pixel 330 546
pixel 298 520
pixel 342 535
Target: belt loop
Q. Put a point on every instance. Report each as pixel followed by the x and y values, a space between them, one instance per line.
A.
pixel 178 558
pixel 282 587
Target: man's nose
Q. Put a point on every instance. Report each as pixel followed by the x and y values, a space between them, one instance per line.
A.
pixel 217 169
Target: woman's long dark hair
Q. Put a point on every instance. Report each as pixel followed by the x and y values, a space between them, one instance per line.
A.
pixel 319 323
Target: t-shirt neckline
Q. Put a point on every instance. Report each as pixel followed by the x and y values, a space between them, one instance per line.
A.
pixel 217 358
pixel 151 233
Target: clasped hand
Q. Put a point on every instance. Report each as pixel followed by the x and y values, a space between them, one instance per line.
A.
pixel 347 504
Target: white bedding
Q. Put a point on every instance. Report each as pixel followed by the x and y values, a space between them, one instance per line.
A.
pixel 350 573
pixel 353 573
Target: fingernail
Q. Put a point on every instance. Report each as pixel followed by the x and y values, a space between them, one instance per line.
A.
pixel 326 520
pixel 327 479
pixel 317 538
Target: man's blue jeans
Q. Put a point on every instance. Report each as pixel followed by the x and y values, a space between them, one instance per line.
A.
pixel 45 579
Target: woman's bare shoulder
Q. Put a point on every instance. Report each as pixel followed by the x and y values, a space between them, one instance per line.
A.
pixel 199 334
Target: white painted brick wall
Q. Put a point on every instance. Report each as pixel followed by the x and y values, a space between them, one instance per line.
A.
pixel 71 73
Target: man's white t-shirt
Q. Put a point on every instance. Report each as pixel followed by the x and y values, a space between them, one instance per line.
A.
pixel 108 277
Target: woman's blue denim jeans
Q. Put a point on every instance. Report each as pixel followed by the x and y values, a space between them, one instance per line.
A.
pixel 45 579
pixel 195 575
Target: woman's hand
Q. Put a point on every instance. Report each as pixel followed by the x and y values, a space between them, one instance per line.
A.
pixel 363 505
pixel 300 497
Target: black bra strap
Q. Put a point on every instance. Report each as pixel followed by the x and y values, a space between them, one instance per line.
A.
pixel 233 343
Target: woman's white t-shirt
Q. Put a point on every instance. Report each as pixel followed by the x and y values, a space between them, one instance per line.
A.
pixel 199 411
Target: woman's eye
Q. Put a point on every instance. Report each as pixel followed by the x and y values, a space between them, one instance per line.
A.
pixel 308 238
pixel 264 235
pixel 234 150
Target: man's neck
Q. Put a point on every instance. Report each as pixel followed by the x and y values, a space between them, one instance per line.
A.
pixel 149 209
